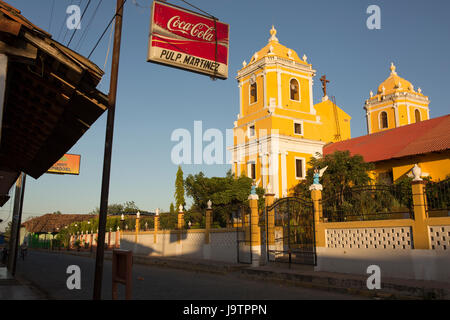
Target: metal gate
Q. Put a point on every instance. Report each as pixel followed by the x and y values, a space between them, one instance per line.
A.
pixel 294 231
pixel 241 222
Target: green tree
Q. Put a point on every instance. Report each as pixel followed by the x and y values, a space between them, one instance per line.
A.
pixel 172 208
pixel 179 189
pixel 130 207
pixel 343 172
pixel 227 194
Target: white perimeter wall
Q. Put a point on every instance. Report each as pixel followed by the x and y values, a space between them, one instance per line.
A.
pixel 222 247
pixel 404 264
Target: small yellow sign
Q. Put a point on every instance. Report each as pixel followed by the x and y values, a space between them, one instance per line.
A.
pixel 68 164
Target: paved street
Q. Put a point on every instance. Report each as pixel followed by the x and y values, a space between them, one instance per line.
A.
pixel 48 272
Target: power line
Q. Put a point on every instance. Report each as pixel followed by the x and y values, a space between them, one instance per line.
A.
pixel 64 20
pixel 81 19
pixel 106 29
pixel 51 16
pixel 88 25
pixel 67 29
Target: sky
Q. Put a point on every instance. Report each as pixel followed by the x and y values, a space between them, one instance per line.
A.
pixel 154 100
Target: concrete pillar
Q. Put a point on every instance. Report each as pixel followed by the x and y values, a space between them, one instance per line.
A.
pixel 316 196
pixel 156 228
pixel 420 227
pixel 180 218
pixel 269 199
pixel 255 233
pixel 117 242
pixel 109 239
pixel 208 220
pixel 137 230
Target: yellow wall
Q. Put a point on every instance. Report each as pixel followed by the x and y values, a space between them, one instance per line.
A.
pixel 437 165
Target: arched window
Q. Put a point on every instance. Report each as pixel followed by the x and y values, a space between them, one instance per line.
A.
pixel 294 88
pixel 253 93
pixel 417 115
pixel 383 120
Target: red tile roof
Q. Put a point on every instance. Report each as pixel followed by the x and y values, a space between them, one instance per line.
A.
pixel 418 138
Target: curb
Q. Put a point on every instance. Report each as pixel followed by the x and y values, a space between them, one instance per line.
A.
pixel 350 286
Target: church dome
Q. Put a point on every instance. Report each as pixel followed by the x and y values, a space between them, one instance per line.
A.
pixel 395 83
pixel 274 48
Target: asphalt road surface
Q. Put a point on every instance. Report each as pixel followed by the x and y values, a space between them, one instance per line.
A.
pixel 47 272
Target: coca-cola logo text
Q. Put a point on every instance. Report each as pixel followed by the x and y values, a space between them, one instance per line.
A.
pixel 199 30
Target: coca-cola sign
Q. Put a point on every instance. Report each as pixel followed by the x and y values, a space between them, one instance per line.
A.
pixel 188 40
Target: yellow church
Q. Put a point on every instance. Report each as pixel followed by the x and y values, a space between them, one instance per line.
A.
pixel 278 128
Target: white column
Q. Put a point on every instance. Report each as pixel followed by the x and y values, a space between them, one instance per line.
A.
pixel 3 75
pixel 397 123
pixel 265 86
pixel 238 168
pixel 280 102
pixel 311 101
pixel 369 123
pixel 407 112
pixel 283 174
pixel 240 100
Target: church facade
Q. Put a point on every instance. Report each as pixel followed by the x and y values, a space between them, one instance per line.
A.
pixel 278 128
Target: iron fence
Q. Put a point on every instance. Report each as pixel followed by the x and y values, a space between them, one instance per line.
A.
pixel 437 198
pixel 375 202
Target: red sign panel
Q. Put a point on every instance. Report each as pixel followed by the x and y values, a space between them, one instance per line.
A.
pixel 184 39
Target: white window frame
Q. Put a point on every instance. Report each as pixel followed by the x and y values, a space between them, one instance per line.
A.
pixel 299 91
pixel 249 130
pixel 420 114
pixel 249 168
pixel 303 168
pixel 301 127
pixel 252 81
pixel 380 121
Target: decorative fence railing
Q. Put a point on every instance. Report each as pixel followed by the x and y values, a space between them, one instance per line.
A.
pixel 376 202
pixel 437 198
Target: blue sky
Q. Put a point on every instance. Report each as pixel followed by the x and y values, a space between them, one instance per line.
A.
pixel 154 100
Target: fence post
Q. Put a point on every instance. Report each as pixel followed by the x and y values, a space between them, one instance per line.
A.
pixel 255 233
pixel 180 217
pixel 117 242
pixel 420 228
pixel 319 228
pixel 137 227
pixel 156 226
pixel 269 198
pixel 208 222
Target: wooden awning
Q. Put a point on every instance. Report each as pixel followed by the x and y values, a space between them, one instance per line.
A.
pixel 51 98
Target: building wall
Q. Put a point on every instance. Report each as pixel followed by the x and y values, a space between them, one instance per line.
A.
pixel 437 165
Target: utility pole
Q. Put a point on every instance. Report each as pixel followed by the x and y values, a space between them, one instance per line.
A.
pixel 108 152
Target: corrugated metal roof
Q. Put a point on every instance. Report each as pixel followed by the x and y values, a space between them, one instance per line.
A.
pixel 419 138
